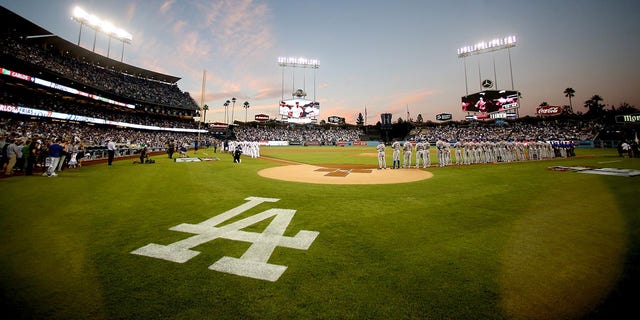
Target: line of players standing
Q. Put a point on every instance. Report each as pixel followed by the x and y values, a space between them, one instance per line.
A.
pixel 248 148
pixel 473 152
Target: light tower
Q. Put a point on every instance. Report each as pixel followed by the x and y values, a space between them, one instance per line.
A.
pixel 299 63
pixel 490 101
pixel 484 47
pixel 99 25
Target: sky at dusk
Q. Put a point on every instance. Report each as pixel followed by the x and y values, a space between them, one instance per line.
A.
pixel 385 56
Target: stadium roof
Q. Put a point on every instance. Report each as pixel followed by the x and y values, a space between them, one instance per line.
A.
pixel 23 27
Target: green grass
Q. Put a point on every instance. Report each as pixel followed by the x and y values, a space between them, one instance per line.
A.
pixel 496 241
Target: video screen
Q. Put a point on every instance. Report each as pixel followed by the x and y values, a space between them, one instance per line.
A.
pixel 299 108
pixel 489 101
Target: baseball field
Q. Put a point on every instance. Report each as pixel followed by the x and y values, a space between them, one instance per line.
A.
pixel 320 233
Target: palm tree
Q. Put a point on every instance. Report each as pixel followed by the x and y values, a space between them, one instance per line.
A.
pixel 569 92
pixel 360 119
pixel 226 111
pixel 542 105
pixel 233 108
pixel 626 108
pixel 594 105
pixel 246 106
pixel 205 108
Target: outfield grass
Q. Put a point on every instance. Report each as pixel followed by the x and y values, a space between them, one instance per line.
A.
pixel 494 241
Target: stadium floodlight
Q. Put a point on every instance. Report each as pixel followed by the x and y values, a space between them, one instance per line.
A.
pixel 298 62
pixel 507 42
pixel 92 21
pixel 483 47
pixel 84 18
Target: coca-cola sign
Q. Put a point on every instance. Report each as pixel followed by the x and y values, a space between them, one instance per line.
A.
pixel 548 110
pixel 262 117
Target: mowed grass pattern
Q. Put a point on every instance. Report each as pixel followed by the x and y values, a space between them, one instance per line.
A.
pixel 494 241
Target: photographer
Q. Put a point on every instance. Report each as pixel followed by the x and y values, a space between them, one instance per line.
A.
pixel 236 153
pixel 143 155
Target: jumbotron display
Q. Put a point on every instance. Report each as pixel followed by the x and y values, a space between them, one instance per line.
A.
pixel 299 107
pixel 489 101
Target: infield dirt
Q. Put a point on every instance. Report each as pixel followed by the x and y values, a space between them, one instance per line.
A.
pixel 341 174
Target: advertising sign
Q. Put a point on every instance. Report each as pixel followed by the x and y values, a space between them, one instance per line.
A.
pixel 548 110
pixel 444 116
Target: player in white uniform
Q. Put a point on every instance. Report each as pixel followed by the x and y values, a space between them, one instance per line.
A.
pixel 396 154
pixel 447 153
pixel 427 154
pixel 468 152
pixel 407 154
pixel 439 147
pixel 382 162
pixel 458 146
pixel 419 153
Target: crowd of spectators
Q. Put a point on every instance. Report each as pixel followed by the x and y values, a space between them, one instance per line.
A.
pixel 118 83
pixel 93 136
pixel 327 136
pixel 93 139
pixel 520 131
pixel 26 97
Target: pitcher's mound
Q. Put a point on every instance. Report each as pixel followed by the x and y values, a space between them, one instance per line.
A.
pixel 343 174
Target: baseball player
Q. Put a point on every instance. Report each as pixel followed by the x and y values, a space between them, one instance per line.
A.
pixel 420 154
pixel 382 162
pixel 426 156
pixel 407 154
pixel 396 154
pixel 458 146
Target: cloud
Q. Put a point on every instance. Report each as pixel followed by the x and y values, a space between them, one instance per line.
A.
pixel 192 47
pixel 268 93
pixel 265 108
pixel 231 40
pixel 404 99
pixel 130 12
pixel 240 29
pixel 166 6
pixel 179 26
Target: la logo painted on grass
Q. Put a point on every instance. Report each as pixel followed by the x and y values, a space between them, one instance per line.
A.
pixel 254 262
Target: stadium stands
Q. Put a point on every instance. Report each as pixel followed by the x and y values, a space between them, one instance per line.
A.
pixel 52 88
